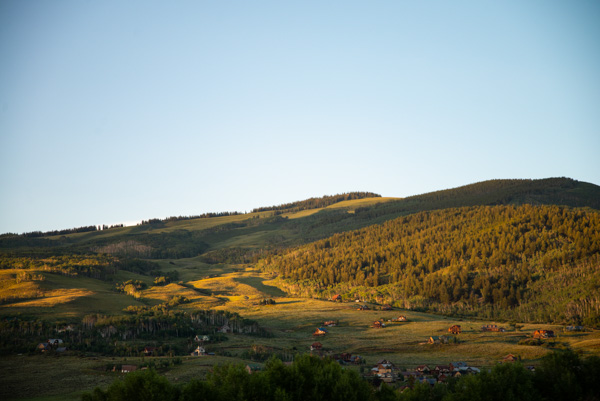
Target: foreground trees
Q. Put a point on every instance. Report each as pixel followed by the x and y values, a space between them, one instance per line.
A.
pixel 561 376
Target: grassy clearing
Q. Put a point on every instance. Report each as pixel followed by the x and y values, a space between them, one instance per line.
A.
pixel 72 297
pixel 356 203
pixel 208 223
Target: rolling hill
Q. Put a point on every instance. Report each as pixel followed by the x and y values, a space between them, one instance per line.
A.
pixel 518 251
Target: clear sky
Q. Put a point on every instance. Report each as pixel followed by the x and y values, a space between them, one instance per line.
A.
pixel 117 111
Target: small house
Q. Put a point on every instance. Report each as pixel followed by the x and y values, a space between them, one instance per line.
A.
pixel 439 369
pixel 386 307
pixel 321 331
pixel 149 351
pixel 574 328
pixel 456 366
pixel 316 346
pixel 454 329
pixel 128 368
pixel 364 307
pixel 402 318
pixel 200 351
pixel 43 347
pixel 510 358
pixel 378 324
pixel 437 340
pixel 200 338
pixel 424 369
pixel 543 334
pixel 224 329
pixel 493 328
pixel 329 323
pixel 385 370
pixel 336 298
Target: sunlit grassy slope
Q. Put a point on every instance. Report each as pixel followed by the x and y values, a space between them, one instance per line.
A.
pixel 59 297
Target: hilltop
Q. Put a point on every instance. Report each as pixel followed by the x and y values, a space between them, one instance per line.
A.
pixel 522 252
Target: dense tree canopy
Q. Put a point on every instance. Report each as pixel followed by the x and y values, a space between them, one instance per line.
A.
pixel 484 255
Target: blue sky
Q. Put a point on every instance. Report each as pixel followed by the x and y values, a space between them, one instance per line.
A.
pixel 117 111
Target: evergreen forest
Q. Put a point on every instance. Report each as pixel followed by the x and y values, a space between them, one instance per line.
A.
pixel 528 263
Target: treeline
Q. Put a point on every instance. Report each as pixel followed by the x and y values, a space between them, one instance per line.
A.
pixel 127 335
pixel 235 255
pixel 84 229
pixel 198 216
pixel 560 377
pixel 476 257
pixel 99 266
pixel 547 191
pixel 550 191
pixel 165 245
pixel 95 266
pixel 315 203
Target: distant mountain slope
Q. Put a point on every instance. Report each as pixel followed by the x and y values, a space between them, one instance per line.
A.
pixel 499 248
pixel 479 260
pixel 295 223
pixel 548 191
pixel 290 224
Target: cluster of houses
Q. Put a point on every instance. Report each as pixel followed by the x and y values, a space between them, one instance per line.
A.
pixel 200 351
pixel 387 372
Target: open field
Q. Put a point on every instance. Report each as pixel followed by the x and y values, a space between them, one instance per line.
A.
pixel 200 224
pixel 239 288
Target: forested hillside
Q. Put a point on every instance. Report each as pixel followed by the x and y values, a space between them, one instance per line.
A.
pixel 286 225
pixel 499 248
pixel 526 262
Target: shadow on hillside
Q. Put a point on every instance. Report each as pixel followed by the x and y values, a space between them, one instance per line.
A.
pixel 257 283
